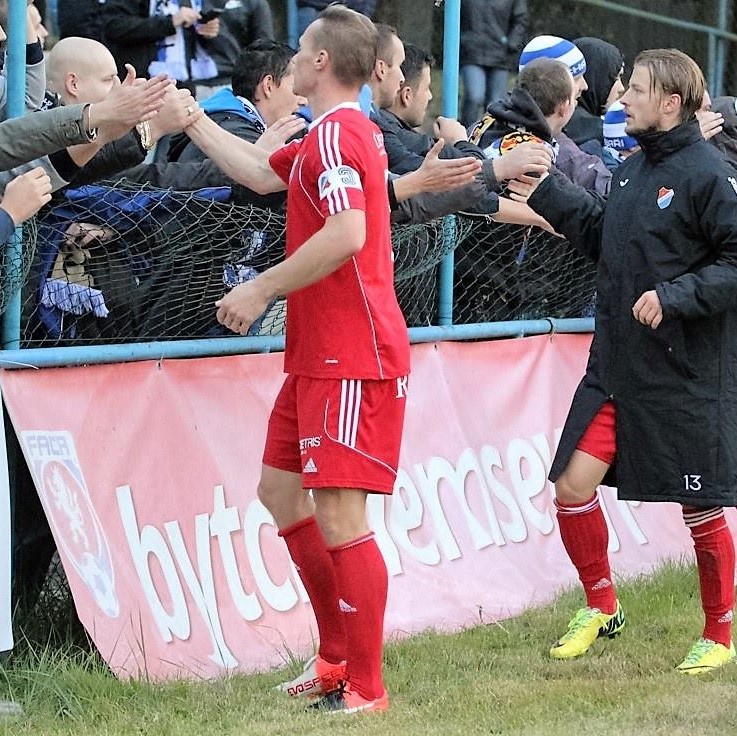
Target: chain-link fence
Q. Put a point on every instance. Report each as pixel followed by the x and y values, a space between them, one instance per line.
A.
pixel 112 264
pixel 508 272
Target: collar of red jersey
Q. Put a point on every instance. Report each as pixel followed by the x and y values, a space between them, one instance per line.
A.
pixel 341 106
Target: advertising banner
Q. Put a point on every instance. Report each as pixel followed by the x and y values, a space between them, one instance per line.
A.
pixel 148 473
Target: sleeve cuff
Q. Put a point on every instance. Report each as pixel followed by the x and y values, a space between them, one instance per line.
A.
pixel 393 204
pixel 7 226
pixel 34 53
pixel 487 171
pixel 65 167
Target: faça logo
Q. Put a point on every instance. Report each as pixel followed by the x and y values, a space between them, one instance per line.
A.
pixel 61 487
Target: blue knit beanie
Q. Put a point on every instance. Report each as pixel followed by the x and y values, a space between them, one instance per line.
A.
pixel 553 47
pixel 614 133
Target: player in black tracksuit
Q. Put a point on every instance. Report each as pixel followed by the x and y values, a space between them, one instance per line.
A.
pixel 660 387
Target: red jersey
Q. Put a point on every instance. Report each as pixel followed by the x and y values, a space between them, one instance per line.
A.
pixel 349 324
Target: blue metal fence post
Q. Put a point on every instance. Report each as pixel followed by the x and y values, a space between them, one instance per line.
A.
pixel 16 81
pixel 16 76
pixel 717 84
pixel 292 34
pixel 451 56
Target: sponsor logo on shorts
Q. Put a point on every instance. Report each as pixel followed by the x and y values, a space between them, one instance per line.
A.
pixel 307 442
pixel 310 466
pixel 346 607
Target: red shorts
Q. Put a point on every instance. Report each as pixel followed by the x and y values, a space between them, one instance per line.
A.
pixel 600 437
pixel 338 433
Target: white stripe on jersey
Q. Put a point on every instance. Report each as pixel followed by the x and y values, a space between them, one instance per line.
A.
pixel 343 194
pixel 328 137
pixel 328 162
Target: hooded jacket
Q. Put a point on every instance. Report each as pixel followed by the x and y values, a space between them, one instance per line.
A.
pixel 667 225
pixel 516 119
pixel 603 63
pixel 240 117
pixel 509 121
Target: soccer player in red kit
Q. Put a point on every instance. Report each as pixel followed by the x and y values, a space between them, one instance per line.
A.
pixel 336 424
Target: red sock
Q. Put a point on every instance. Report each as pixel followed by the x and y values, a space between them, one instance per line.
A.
pixel 714 547
pixel 586 539
pixel 360 572
pixel 308 551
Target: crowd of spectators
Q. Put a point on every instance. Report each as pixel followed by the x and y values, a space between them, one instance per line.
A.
pixel 219 58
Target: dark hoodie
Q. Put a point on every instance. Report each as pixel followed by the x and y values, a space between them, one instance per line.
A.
pixel 516 113
pixel 603 63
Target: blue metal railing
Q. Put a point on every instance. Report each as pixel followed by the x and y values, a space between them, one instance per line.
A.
pixel 87 355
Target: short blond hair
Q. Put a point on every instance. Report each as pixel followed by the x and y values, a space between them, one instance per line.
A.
pixel 350 39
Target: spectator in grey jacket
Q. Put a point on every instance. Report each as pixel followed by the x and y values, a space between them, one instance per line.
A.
pixel 52 138
pixel 492 33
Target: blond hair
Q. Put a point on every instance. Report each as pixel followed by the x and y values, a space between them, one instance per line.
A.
pixel 674 73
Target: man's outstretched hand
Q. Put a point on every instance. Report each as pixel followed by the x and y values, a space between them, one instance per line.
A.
pixel 129 102
pixel 441 174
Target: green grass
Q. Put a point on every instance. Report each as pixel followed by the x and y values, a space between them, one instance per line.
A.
pixel 493 679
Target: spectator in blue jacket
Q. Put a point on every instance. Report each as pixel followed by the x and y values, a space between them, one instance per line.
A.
pixel 262 93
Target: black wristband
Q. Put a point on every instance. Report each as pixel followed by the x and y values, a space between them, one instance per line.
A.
pixel 34 53
pixel 393 204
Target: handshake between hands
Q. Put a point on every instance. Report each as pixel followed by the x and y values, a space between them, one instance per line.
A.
pixel 156 102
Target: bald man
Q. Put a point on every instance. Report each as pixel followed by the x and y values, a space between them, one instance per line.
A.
pixel 82 70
